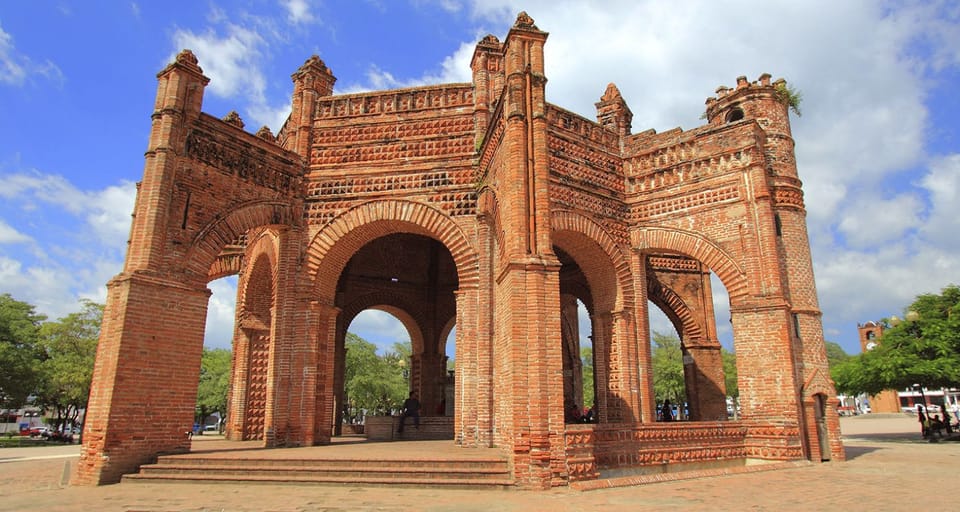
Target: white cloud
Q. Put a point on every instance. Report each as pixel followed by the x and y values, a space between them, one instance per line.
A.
pixel 943 183
pixel 231 61
pixel 298 11
pixel 868 220
pixel 379 328
pixel 9 235
pixel 11 66
pixel 16 68
pixel 220 313
pixel 106 212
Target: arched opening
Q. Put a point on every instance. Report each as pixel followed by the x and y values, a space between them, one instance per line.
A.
pixel 691 367
pixel 212 408
pixel 413 278
pixel 252 350
pixel 377 360
pixel 735 114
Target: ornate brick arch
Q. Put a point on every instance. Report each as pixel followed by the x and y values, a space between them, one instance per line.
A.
pixel 339 240
pixel 210 241
pixel 263 245
pixel 226 265
pixel 620 280
pixel 697 246
pixel 676 309
pixel 391 303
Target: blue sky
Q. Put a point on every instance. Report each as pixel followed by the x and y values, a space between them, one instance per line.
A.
pixel 878 146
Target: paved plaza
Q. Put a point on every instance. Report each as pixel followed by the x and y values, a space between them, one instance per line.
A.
pixel 889 468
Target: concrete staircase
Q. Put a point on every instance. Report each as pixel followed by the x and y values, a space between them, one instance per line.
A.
pixel 441 472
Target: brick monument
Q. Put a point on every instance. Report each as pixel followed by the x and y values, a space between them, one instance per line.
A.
pixel 484 207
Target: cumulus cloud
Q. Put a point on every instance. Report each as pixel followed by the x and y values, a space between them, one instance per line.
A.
pixel 864 72
pixel 220 313
pixel 943 181
pixel 298 11
pixel 231 60
pixel 454 68
pixel 89 229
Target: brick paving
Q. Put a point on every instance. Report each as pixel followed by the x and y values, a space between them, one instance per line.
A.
pixel 889 468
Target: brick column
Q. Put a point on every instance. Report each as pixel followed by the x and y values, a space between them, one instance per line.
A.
pixel 318 361
pixel 623 336
pixel 704 380
pixel 144 387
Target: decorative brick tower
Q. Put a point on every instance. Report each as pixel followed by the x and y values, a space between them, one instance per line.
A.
pixel 485 208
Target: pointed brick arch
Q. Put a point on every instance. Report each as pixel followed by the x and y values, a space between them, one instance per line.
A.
pixel 338 241
pixel 262 250
pixel 211 240
pixel 570 222
pixel 676 309
pixel 697 246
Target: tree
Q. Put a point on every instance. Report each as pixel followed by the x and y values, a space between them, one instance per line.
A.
pixel 68 348
pixel 586 365
pixel 214 384
pixel 835 354
pixel 668 382
pixel 373 384
pixel 19 329
pixel 924 349
pixel 730 373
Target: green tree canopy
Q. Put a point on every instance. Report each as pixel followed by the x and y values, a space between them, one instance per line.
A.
pixel 214 383
pixel 373 383
pixel 667 360
pixel 19 330
pixel 586 362
pixel 730 372
pixel 68 348
pixel 924 349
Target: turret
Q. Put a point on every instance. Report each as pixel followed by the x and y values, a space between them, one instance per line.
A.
pixel 613 112
pixel 311 81
pixel 766 103
pixel 488 79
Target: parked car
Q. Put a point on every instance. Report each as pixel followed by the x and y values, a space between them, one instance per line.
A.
pixel 34 431
pixel 63 437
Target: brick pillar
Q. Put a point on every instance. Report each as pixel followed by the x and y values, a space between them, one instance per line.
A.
pixel 432 376
pixel 572 365
pixel 237 398
pixel 641 337
pixel 144 387
pixel 606 369
pixel 282 415
pixel 323 332
pixel 531 368
pixel 704 380
pixel 623 336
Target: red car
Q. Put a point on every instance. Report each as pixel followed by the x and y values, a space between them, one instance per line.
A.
pixel 35 431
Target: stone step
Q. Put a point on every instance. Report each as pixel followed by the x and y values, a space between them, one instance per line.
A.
pixel 295 471
pixel 450 472
pixel 349 463
pixel 446 483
